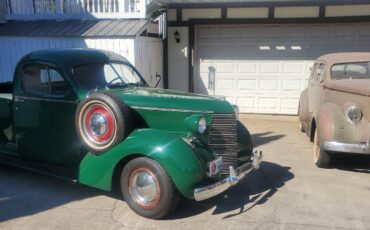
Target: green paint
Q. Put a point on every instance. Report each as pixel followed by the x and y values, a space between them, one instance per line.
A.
pixel 169 150
pixel 43 129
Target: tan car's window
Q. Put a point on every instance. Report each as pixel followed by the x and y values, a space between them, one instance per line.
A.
pixel 348 71
pixel 319 72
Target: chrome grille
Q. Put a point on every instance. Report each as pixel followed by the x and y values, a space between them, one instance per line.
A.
pixel 223 139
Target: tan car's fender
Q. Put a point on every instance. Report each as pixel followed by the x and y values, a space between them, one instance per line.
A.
pixel 329 122
pixel 303 112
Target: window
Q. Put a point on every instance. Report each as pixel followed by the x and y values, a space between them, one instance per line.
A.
pixel 356 70
pixel 58 86
pixel 43 80
pixel 102 75
pixel 35 79
pixel 319 72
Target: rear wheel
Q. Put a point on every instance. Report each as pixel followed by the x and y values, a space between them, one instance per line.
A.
pixel 148 189
pixel 321 158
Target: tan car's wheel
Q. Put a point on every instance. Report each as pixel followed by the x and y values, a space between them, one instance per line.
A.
pixel 102 121
pixel 321 158
pixel 148 189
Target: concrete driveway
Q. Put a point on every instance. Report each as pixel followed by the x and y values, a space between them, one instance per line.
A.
pixel 288 192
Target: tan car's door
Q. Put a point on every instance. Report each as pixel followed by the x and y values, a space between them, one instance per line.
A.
pixel 316 87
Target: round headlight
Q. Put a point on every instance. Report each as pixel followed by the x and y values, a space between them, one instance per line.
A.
pixel 202 125
pixel 354 114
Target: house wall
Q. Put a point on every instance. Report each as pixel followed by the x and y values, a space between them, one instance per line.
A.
pixel 260 52
pixel 178 69
pixel 14 48
pixel 2 11
pixel 149 58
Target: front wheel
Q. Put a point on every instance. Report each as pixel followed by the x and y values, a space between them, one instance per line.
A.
pixel 321 157
pixel 148 189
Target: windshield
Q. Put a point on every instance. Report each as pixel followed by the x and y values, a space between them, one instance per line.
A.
pixel 106 75
pixel 348 71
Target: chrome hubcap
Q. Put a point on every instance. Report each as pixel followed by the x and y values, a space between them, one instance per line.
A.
pixel 144 188
pixel 98 124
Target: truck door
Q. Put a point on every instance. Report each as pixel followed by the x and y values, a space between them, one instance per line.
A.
pixel 44 108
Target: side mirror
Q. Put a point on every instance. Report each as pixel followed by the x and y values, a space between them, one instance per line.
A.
pixel 158 78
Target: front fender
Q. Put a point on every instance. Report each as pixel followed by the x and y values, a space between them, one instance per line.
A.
pixel 170 151
pixel 330 122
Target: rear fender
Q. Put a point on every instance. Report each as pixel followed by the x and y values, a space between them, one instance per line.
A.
pixel 174 155
pixel 330 122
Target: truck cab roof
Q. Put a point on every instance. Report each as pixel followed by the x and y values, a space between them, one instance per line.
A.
pixel 72 57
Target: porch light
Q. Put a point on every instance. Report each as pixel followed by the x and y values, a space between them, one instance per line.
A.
pixel 177 36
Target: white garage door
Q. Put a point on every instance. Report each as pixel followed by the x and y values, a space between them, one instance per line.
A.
pixel 263 69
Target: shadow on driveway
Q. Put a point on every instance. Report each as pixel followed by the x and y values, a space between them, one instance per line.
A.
pixel 352 162
pixel 24 193
pixel 265 137
pixel 254 190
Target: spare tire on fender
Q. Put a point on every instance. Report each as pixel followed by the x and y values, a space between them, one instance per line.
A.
pixel 102 120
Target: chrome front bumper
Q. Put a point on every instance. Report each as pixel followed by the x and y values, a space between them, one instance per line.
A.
pixel 361 148
pixel 235 176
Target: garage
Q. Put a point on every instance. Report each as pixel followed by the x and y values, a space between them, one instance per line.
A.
pixel 264 68
pixel 257 54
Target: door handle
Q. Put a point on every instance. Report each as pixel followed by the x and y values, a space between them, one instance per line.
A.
pixel 18 99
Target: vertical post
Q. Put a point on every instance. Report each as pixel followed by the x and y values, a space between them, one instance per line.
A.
pixel 191 56
pixel 10 7
pixel 142 8
pixel 59 6
pixel 121 7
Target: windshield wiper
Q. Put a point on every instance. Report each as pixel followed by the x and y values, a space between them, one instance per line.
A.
pixel 135 84
pixel 116 85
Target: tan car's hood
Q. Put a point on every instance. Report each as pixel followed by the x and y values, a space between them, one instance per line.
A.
pixel 358 86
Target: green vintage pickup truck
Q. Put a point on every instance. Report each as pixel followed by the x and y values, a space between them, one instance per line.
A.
pixel 89 116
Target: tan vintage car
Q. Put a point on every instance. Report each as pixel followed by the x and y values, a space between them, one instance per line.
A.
pixel 334 110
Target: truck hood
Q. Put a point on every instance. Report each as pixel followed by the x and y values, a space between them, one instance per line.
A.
pixel 161 99
pixel 357 86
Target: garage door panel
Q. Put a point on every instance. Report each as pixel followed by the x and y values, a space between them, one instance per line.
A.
pixel 225 84
pixel 268 103
pixel 269 67
pixel 268 84
pixel 294 68
pixel 292 85
pixel 246 103
pixel 247 68
pixel 225 68
pixel 247 84
pixel 264 68
pixel 289 103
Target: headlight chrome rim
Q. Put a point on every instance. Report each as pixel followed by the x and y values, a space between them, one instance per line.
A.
pixel 354 114
pixel 202 125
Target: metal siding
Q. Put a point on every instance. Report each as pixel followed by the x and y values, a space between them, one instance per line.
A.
pixel 73 28
pixel 148 58
pixel 258 68
pixel 14 48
